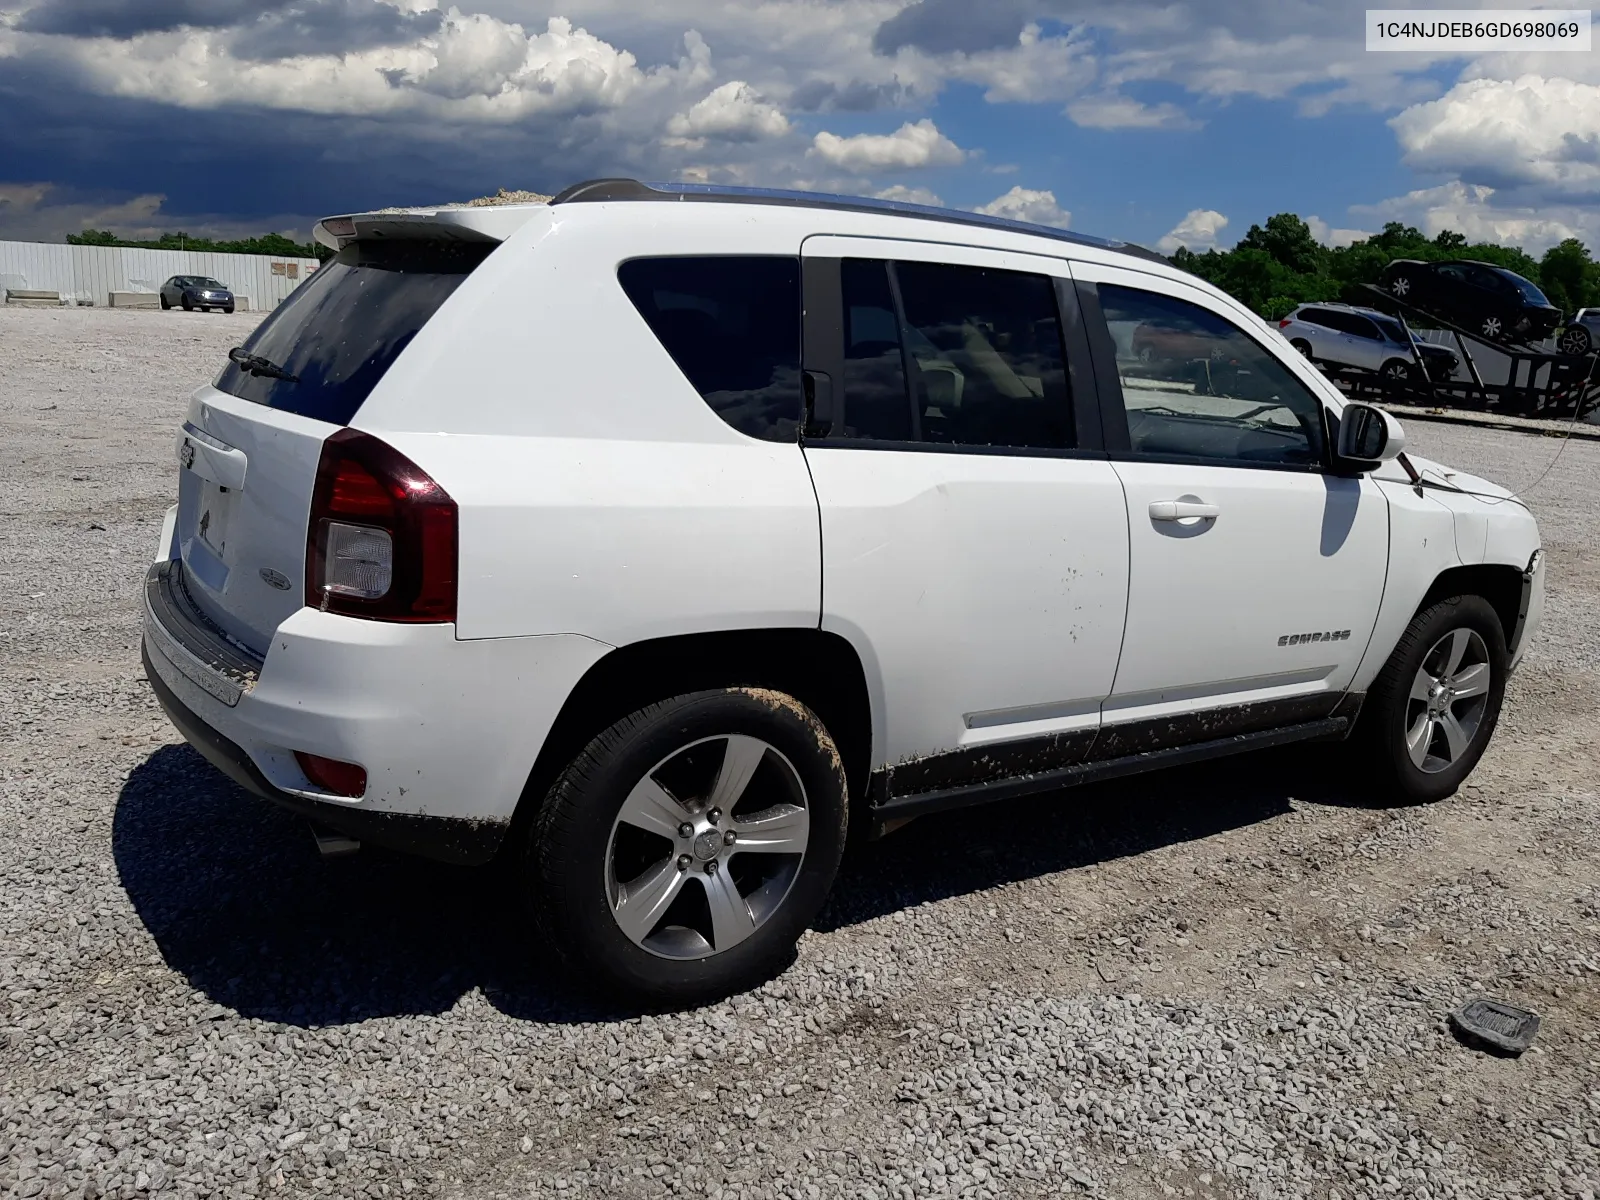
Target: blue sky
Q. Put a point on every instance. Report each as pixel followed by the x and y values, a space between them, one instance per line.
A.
pixel 1158 122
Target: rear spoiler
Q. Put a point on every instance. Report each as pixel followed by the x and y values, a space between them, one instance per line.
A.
pixel 488 223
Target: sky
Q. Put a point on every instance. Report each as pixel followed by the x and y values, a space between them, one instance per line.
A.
pixel 1159 122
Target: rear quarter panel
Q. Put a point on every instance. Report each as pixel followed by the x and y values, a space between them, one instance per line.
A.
pixel 598 492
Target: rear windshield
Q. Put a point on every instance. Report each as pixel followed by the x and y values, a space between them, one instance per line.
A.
pixel 338 331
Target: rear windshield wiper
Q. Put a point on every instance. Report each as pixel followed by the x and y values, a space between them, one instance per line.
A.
pixel 254 364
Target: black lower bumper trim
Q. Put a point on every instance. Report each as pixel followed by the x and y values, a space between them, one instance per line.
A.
pixel 447 839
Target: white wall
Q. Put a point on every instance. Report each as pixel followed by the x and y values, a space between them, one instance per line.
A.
pixel 88 274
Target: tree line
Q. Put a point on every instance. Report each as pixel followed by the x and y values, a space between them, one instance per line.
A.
pixel 1278 266
pixel 274 244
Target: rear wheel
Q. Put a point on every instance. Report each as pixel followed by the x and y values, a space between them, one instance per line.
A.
pixel 1303 346
pixel 165 303
pixel 1431 711
pixel 683 852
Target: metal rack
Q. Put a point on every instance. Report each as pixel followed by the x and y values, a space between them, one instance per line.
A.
pixel 1538 382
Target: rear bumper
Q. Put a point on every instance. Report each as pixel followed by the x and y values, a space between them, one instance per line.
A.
pixel 448 839
pixel 447 729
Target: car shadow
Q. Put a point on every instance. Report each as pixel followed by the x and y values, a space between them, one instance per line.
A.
pixel 241 904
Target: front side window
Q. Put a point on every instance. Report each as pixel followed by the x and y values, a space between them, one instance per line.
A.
pixel 953 355
pixel 732 324
pixel 1197 386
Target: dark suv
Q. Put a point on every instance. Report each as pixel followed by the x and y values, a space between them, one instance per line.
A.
pixel 196 291
pixel 1495 303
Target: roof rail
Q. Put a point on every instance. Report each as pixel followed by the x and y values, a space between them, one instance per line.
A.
pixel 603 190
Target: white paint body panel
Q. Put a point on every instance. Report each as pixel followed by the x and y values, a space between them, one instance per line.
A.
pixel 985 592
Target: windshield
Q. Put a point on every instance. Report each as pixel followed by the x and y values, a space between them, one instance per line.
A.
pixel 1391 329
pixel 340 330
pixel 210 283
pixel 1529 293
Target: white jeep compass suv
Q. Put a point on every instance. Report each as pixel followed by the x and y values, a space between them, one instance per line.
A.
pixel 660 535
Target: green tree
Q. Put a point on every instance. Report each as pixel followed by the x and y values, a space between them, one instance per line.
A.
pixel 1569 276
pixel 1288 240
pixel 275 244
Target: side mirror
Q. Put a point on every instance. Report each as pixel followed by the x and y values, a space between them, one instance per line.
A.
pixel 1369 435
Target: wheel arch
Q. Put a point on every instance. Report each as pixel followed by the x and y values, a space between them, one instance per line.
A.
pixel 1499 584
pixel 820 669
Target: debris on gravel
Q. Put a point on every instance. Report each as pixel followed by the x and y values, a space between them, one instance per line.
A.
pixel 1226 981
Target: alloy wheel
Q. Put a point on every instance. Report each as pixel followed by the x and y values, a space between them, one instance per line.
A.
pixel 707 846
pixel 1449 696
pixel 1492 327
pixel 1574 340
pixel 1400 286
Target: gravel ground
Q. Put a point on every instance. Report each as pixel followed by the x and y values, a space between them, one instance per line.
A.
pixel 1218 982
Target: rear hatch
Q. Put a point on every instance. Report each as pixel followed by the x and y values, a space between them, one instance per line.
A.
pixel 249 450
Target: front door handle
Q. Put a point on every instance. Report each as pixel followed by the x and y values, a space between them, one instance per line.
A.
pixel 1181 510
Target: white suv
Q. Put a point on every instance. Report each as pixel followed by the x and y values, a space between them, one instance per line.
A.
pixel 661 535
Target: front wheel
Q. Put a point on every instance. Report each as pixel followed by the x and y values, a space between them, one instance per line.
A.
pixel 683 852
pixel 1396 370
pixel 228 309
pixel 1574 341
pixel 1430 713
pixel 188 304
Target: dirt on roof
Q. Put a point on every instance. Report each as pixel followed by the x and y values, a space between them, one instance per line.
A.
pixel 503 196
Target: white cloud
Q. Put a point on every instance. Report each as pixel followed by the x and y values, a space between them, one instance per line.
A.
pixel 1198 231
pixel 1334 237
pixel 1533 132
pixel 475 68
pixel 1108 111
pixel 1026 204
pixel 910 195
pixel 1036 69
pixel 1471 209
pixel 734 112
pixel 912 145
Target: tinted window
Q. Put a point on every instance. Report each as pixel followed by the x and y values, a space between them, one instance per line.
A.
pixel 733 327
pixel 1523 288
pixel 1362 327
pixel 876 404
pixel 1317 316
pixel 1391 329
pixel 977 352
pixel 340 330
pixel 1197 386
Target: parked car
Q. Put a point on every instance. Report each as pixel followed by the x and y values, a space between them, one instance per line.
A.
pixel 1157 343
pixel 1495 303
pixel 657 538
pixel 1580 336
pixel 1348 336
pixel 196 291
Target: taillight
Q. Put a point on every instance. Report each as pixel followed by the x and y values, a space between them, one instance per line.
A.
pixel 381 542
pixel 1285 322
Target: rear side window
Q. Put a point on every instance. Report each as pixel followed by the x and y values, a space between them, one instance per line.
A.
pixel 732 324
pixel 957 355
pixel 340 330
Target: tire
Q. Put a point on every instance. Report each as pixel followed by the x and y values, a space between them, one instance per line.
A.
pixel 165 303
pixel 1400 286
pixel 1304 347
pixel 1397 369
pixel 228 309
pixel 608 822
pixel 188 305
pixel 1492 327
pixel 1395 712
pixel 1575 341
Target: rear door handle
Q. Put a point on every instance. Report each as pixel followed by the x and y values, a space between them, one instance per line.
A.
pixel 1181 510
